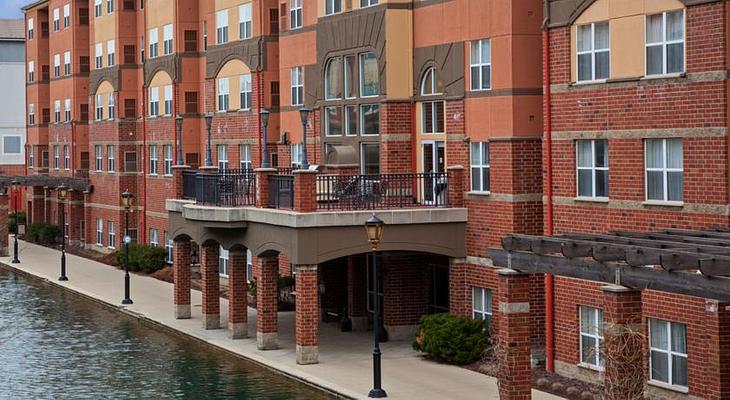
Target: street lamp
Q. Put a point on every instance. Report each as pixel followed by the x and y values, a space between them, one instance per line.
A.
pixel 179 125
pixel 374 231
pixel 264 150
pixel 13 191
pixel 208 152
pixel 127 199
pixel 62 195
pixel 304 114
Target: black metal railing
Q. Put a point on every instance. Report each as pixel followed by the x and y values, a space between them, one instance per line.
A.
pixel 281 191
pixel 229 188
pixel 382 191
pixel 189 184
pixel 286 170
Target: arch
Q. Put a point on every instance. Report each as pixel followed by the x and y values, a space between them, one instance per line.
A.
pixel 182 237
pixel 105 87
pixel 431 83
pixel 160 78
pixel 233 67
pixel 591 10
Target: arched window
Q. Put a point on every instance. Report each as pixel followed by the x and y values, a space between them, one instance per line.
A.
pixel 333 79
pixel 432 112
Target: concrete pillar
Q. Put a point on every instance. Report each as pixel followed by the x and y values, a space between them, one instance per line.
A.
pixel 307 314
pixel 4 223
pixel 717 369
pixel 210 285
pixel 181 277
pixel 267 294
pixel 305 191
pixel 262 186
pixel 513 338
pixel 357 293
pixel 459 296
pixel 622 317
pixel 237 295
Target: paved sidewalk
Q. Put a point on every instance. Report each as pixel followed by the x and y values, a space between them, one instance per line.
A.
pixel 345 358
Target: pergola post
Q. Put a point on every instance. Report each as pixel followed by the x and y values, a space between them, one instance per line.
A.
pixel 210 285
pixel 307 314
pixel 4 223
pixel 513 338
pixel 237 295
pixel 181 278
pixel 267 295
pixel 623 341
pixel 717 317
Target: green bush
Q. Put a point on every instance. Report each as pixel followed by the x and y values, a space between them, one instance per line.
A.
pixel 43 233
pixel 20 220
pixel 451 339
pixel 143 258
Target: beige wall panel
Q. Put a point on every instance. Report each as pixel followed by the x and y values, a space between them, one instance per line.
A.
pixel 159 13
pixel 625 8
pixel 399 69
pixel 233 68
pixel 596 12
pixel 655 6
pixel 223 4
pixel 161 79
pixel 104 88
pixel 105 27
pixel 627 53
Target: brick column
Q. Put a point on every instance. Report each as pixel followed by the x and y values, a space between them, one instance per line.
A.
pixel 305 191
pixel 75 215
pixel 717 370
pixel 267 294
pixel 307 314
pixel 237 295
pixel 621 316
pixel 4 222
pixel 459 299
pixel 456 185
pixel 48 204
pixel 262 186
pixel 181 277
pixel 37 214
pixel 88 224
pixel 357 294
pixel 178 181
pixel 210 285
pixel 513 338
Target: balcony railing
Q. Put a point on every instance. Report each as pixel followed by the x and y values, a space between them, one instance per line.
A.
pixel 229 188
pixel 189 184
pixel 281 191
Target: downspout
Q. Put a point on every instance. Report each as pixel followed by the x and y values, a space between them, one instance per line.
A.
pixel 259 83
pixel 414 140
pixel 142 234
pixel 549 289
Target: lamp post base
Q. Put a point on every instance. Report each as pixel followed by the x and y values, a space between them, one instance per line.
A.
pixel 377 393
pixel 62 278
pixel 127 301
pixel 15 261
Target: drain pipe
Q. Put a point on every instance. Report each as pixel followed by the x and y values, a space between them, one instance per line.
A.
pixel 549 290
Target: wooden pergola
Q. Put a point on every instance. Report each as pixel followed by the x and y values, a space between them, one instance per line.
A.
pixel 79 184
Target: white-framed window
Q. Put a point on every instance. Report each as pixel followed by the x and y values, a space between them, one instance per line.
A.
pixel 245 91
pixel 31 156
pixel 111 107
pixel 99 160
pixel 351 120
pixel 297 86
pixel 154 237
pixel 56 65
pixel 154 40
pixel 333 121
pixel 99 232
pixel 99 107
pixel 249 265
pixel 31 29
pixel 369 75
pixel 665 43
pixel 31 114
pixel 154 101
pixel 351 76
pixel 153 159
pixel 221 26
pixel 245 152
pixel 56 20
pixel 168 247
pixel 167 150
pixel 66 15
pixel 481 64
pixel 368 3
pixel 12 144
pixel 668 353
pixel 167 90
pixel 97 8
pixel 296 155
pixel 67 63
pixel 369 158
pixel 110 59
pixel 592 168
pixel 332 7
pixel 66 157
pixel 223 94
pixel 31 71
pixel 369 119
pixel 481 300
pixel 593 52
pixel 111 235
pixel 591 336
pixel 167 39
pixel 56 157
pixel 223 258
pixel 110 159
pixel 98 55
pixel 57 111
pixel 222 157
pixel 67 110
pixel 295 14
pixel 480 167
pixel 432 112
pixel 333 79
pixel 245 24
pixel 109 6
pixel 664 170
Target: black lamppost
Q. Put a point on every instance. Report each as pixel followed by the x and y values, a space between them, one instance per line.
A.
pixel 62 194
pixel 13 191
pixel 127 199
pixel 374 230
pixel 264 149
pixel 208 151
pixel 304 113
pixel 179 125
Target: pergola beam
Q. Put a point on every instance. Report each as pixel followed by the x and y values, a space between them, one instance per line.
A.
pixel 78 184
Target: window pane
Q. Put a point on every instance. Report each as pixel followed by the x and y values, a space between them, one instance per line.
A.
pixel 585 182
pixel 602 183
pixel 11 144
pixel 588 350
pixel 438 109
pixel 675 186
pixel 675 25
pixel 371 159
pixel 602 65
pixel 659 337
pixel 654 60
pixel 486 77
pixel 486 51
pixel 350 76
pixel 585 153
pixel 333 82
pixel 679 370
pixel 674 153
pixel 475 154
pixel 476 178
pixel 485 179
pixel 370 85
pixel 475 81
pixel 370 119
pixel 675 58
pixel 585 67
pixel 601 36
pixel 601 153
pixel 351 120
pixel 654 156
pixel 474 50
pixel 679 335
pixel 659 367
pixel 427 117
pixel 654 185
pixel 584 38
pixel 427 84
pixel 586 319
pixel 485 153
pixel 334 120
pixel 654 29
pixel 477 299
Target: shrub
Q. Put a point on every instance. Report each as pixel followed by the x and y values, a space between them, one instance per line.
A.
pixel 451 339
pixel 43 233
pixel 20 220
pixel 143 258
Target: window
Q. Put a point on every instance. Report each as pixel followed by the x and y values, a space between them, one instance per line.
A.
pixel 297 86
pixel 109 6
pixel 245 150
pixel 370 158
pixel 31 156
pixel 130 108
pixel 31 71
pixel 665 43
pixel 112 106
pixel 333 79
pixel 668 352
pixel 593 52
pixel 110 61
pixel 67 63
pixel 66 157
pixel 350 77
pixel 370 119
pixel 591 336
pixel 244 21
pixel 11 144
pixel 99 107
pixel 168 247
pixel 167 149
pixel 369 75
pixel 154 237
pixel 154 101
pixel 249 265
pixel 99 232
pixel 295 14
pixel 97 8
pixel 223 256
pixel 56 20
pixel 205 35
pixel 167 39
pixel 223 94
pixel 57 111
pixel 350 120
pixel 191 102
pixel 332 7
pixel 111 161
pixel 296 155
pixel 99 153
pixel 98 55
pixel 130 161
pixel 245 91
pixel 168 99
pixel 592 168
pixel 67 110
pixel 56 157
pixel 368 3
pixel 66 15
pixel 221 26
pixel 31 114
pixel 154 38
pixel 222 157
pixel 112 242
pixel 664 169
pixel 481 65
pixel 191 40
pixel 481 300
pixel 480 167
pixel 333 121
pixel 153 159
pixel 432 112
pixel 31 28
pixel 56 65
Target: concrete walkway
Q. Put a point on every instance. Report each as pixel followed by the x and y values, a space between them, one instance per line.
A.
pixel 345 358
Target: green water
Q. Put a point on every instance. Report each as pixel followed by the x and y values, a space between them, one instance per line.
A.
pixel 54 345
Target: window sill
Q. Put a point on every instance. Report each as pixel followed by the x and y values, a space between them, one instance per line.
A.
pixel 590 367
pixel 593 82
pixel 591 199
pixel 664 76
pixel 478 193
pixel 663 203
pixel 674 388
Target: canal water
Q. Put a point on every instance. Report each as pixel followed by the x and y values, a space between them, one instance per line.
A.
pixel 54 345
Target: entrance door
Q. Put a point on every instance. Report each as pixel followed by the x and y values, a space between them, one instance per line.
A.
pixel 434 168
pixel 438 296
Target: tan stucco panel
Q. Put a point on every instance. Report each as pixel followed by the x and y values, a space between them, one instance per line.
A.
pixel 161 79
pixel 233 68
pixel 105 88
pixel 627 53
pixel 105 27
pixel 399 68
pixel 159 13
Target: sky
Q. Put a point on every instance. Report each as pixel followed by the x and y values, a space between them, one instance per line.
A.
pixel 11 8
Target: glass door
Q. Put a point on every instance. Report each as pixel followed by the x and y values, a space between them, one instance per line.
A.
pixel 434 168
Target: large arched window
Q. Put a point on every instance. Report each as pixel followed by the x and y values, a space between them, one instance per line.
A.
pixel 432 112
pixel 333 79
